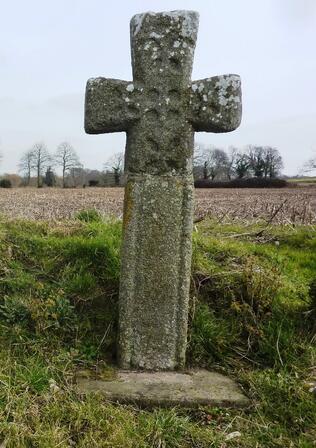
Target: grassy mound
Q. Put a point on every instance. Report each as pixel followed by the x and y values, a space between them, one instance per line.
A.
pixel 253 308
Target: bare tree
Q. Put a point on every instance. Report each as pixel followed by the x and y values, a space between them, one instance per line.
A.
pixel 67 158
pixel 313 163
pixel 310 165
pixel 199 169
pixel 241 165
pixel 231 161
pixel 211 162
pixel 256 160
pixel 273 162
pixel 115 164
pixel 40 159
pixel 215 163
pixel 26 165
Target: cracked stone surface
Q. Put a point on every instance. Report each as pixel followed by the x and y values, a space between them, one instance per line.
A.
pixel 159 110
pixel 190 389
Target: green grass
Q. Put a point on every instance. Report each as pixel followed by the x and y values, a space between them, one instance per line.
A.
pixel 305 180
pixel 253 312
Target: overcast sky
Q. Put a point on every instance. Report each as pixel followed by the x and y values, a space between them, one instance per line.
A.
pixel 48 50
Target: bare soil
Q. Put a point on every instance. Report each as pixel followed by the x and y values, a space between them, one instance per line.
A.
pixel 286 206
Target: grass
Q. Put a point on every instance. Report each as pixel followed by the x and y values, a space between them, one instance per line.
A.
pixel 253 308
pixel 305 180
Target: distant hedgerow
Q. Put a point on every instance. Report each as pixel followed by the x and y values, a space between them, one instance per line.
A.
pixel 253 182
pixel 5 183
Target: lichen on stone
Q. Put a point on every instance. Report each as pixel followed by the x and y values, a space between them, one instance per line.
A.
pixel 130 87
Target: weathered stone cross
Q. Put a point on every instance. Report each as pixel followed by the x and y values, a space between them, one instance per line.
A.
pixel 160 111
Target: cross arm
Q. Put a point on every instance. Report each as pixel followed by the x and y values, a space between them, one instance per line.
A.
pixel 215 103
pixel 109 105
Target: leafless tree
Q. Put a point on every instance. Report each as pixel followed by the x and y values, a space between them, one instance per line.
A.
pixel 210 162
pixel 310 165
pixel 215 162
pixel 241 165
pixel 115 164
pixel 256 160
pixel 198 161
pixel 67 158
pixel 273 162
pixel 40 159
pixel 231 161
pixel 26 165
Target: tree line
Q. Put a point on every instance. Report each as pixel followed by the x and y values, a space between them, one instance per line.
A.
pixel 38 160
pixel 37 167
pixel 215 163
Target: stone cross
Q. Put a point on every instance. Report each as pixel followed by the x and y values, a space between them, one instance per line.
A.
pixel 159 111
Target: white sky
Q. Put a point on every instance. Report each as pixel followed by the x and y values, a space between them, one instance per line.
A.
pixel 48 50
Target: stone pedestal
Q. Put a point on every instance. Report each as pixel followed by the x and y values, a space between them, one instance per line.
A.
pixel 190 389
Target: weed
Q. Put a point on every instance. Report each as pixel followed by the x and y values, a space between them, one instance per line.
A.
pixel 90 215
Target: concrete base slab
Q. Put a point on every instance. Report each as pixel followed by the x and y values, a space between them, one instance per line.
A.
pixel 189 389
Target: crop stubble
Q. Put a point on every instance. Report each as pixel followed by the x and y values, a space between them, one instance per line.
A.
pixel 286 206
